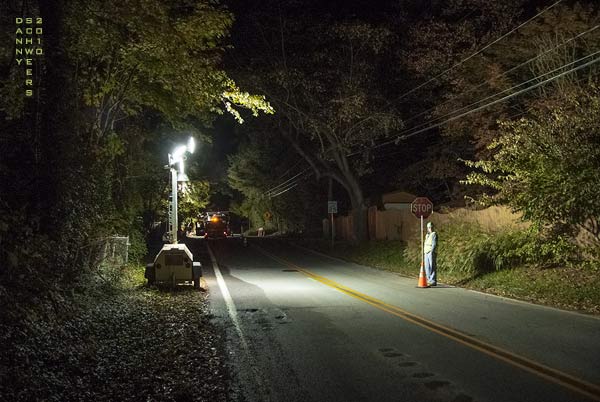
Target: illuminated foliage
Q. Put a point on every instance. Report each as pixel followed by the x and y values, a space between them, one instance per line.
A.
pixel 163 56
pixel 547 165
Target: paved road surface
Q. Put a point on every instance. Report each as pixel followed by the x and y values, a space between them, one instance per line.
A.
pixel 306 327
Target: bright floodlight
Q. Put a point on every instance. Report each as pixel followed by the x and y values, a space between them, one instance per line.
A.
pixel 191 147
pixel 178 153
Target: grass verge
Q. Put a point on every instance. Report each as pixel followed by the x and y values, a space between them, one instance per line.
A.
pixel 575 287
pixel 126 343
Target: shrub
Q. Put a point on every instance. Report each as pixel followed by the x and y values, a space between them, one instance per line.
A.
pixel 546 165
pixel 137 246
pixel 471 250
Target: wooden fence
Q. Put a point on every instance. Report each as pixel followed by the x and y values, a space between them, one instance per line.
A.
pixel 402 224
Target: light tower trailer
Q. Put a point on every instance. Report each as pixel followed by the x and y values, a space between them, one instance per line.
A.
pixel 174 264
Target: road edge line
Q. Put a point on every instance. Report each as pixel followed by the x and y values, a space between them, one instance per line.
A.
pixel 231 309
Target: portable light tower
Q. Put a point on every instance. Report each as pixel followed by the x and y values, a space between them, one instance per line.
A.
pixel 175 263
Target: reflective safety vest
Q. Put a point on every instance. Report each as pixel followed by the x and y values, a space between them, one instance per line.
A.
pixel 430 242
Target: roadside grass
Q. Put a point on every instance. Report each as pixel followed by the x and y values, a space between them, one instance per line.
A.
pixel 119 341
pixel 568 286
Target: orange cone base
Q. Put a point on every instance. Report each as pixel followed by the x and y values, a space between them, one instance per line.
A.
pixel 422 280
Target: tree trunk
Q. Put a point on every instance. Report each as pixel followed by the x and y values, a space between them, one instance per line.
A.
pixel 359 211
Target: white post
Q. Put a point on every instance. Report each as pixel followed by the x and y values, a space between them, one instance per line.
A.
pixel 422 245
pixel 332 230
pixel 175 224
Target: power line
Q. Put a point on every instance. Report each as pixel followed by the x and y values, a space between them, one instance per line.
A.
pixel 405 136
pixel 500 93
pixel 283 184
pixel 293 166
pixel 294 180
pixel 292 185
pixel 275 188
pixel 505 73
pixel 478 52
pixel 284 188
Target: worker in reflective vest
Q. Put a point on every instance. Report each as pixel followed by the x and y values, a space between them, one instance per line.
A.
pixel 430 250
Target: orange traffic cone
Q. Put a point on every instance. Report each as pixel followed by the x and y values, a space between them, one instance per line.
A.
pixel 422 280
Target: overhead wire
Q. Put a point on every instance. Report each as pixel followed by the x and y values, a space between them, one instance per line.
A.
pixel 275 188
pixel 294 180
pixel 498 93
pixel 291 183
pixel 526 62
pixel 477 52
pixel 537 85
pixel 285 183
pixel 292 167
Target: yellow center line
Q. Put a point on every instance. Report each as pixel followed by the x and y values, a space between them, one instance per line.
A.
pixel 558 377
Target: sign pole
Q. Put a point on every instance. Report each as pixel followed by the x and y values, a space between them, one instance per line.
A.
pixel 422 207
pixel 422 245
pixel 175 227
pixel 332 209
pixel 332 229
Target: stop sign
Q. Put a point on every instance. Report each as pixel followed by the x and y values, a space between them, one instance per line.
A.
pixel 421 207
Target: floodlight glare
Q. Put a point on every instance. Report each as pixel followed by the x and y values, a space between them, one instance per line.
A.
pixel 182 178
pixel 178 153
pixel 191 147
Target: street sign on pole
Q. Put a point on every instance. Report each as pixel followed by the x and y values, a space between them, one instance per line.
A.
pixel 332 207
pixel 421 207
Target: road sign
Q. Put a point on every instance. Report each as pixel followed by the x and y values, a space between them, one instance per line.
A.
pixel 267 216
pixel 421 207
pixel 332 207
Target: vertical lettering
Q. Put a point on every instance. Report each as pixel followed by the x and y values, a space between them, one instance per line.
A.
pixel 32 45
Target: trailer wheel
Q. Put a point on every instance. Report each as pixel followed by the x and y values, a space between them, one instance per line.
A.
pixel 150 274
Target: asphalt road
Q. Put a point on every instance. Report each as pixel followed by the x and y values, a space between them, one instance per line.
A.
pixel 306 327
